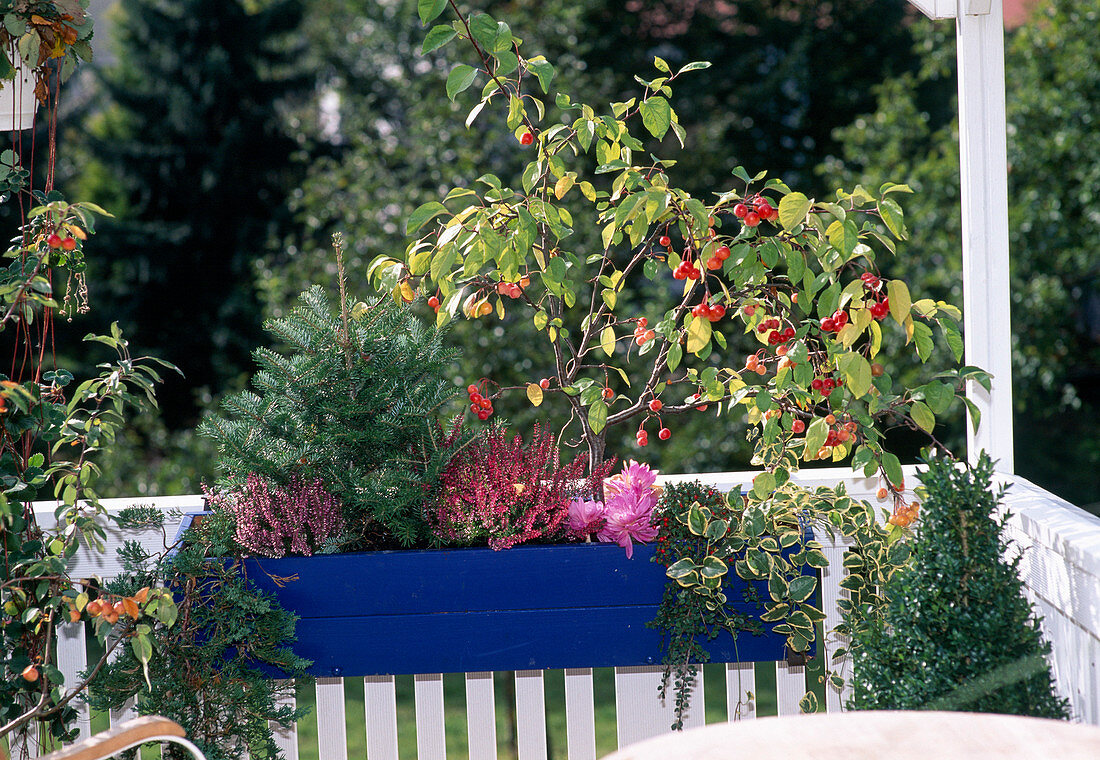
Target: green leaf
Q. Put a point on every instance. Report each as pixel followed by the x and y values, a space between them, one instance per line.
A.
pixel 808 703
pixel 816 434
pixel 460 78
pixel 694 66
pixel 680 568
pixel 713 567
pixel 843 236
pixel 656 116
pixel 675 354
pixel 975 413
pixel 763 484
pixel 597 417
pixel 892 466
pixel 423 214
pixel 802 587
pixel 893 217
pixel 793 208
pixel 542 69
pixel 857 373
pixel 430 9
pixel 923 416
pixel 697 523
pixel 953 337
pixel 438 37
pixel 938 396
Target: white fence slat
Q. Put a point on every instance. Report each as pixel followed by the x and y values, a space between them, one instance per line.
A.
pixel 431 738
pixel 740 691
pixel 380 705
pixel 831 594
pixel 640 712
pixel 580 717
pixel 530 715
pixel 286 739
pixel 481 716
pixel 125 713
pixel 332 735
pixel 72 658
pixel 790 687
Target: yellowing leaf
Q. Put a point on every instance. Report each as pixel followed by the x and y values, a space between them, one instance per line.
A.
pixel 900 300
pixel 562 186
pixel 534 393
pixel 793 208
pixel 588 191
pixel 607 340
pixel 698 334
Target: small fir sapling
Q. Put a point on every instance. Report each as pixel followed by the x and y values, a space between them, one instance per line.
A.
pixel 956 632
pixel 301 519
pixel 502 492
pixel 352 401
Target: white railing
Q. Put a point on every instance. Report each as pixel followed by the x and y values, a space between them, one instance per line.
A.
pixel 1061 568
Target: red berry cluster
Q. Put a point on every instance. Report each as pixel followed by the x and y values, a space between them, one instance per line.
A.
pixel 641 334
pixel 433 304
pixel 755 210
pixel 713 312
pixel 881 307
pixel 510 289
pixel 67 243
pixel 776 337
pixel 479 405
pixel 721 253
pixel 836 322
pixel 642 437
pixel 686 270
pixel 825 385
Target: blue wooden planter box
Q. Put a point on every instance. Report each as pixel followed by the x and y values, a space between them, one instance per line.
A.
pixel 466 610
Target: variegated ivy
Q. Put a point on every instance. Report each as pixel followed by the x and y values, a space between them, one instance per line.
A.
pixel 803 281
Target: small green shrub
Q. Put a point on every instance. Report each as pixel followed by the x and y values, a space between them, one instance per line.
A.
pixel 956 632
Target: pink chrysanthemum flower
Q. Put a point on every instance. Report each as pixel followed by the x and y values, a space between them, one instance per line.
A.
pixel 628 520
pixel 635 477
pixel 586 516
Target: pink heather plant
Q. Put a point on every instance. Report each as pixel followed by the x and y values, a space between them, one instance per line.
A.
pixel 624 516
pixel 504 492
pixel 272 522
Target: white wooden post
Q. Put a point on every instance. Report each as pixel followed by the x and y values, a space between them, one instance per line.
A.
pixel 984 174
pixel 979 26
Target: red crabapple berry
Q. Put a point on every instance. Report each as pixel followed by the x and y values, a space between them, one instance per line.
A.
pixel 608 393
pixel 53 240
pixel 665 240
pixel 655 405
pixel 471 390
pixel 544 383
pixel 740 210
pixel 433 303
pixel 69 244
pixel 752 219
pixel 664 434
pixel 722 252
pixel 526 138
pixel 798 426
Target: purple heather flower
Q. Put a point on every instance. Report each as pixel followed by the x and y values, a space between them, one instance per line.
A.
pixel 586 516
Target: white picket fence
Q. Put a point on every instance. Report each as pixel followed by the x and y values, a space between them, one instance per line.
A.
pixel 1061 569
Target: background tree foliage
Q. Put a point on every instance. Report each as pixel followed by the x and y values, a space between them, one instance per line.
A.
pixel 1053 73
pixel 224 219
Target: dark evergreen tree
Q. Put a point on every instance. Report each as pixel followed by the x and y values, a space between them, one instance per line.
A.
pixel 957 632
pixel 193 158
pixel 354 401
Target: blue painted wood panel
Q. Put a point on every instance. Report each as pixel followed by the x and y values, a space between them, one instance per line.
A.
pixel 462 610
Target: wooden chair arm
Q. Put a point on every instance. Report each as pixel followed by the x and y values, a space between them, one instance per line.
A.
pixel 148 728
